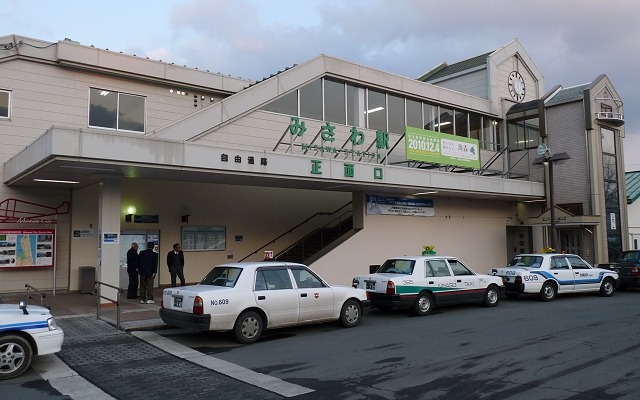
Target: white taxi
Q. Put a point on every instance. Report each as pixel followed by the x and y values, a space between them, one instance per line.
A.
pixel 423 282
pixel 548 274
pixel 25 331
pixel 248 297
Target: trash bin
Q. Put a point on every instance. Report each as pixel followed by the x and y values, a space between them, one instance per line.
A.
pixel 87 279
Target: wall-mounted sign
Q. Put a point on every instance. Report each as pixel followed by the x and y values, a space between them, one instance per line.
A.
pixel 383 205
pixel 26 248
pixel 110 238
pixel 441 148
pixel 146 219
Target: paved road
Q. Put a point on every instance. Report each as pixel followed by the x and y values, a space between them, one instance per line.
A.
pixel 578 347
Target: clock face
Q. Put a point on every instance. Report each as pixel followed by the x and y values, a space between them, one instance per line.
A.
pixel 516 86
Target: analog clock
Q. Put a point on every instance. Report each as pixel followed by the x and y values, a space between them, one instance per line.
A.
pixel 516 86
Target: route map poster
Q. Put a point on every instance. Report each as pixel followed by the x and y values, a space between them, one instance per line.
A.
pixel 26 248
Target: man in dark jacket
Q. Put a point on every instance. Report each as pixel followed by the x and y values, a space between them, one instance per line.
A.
pixel 175 262
pixel 132 270
pixel 147 268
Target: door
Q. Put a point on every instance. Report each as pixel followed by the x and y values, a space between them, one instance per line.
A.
pixel 274 292
pixel 442 284
pixel 467 282
pixel 585 277
pixel 562 273
pixel 316 299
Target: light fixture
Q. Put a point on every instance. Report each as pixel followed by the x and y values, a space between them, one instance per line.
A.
pixel 419 193
pixel 131 211
pixel 374 110
pixel 186 213
pixel 442 124
pixel 54 181
pixel 104 93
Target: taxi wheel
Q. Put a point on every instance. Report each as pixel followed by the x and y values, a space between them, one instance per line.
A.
pixel 248 327
pixel 424 304
pixel 491 297
pixel 350 313
pixel 607 288
pixel 15 356
pixel 548 292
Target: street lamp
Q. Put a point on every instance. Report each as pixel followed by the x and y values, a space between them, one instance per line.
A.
pixel 548 158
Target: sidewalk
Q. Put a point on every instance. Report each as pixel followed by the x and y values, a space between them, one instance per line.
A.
pixel 133 314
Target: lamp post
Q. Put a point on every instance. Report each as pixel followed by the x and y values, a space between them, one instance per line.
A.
pixel 548 158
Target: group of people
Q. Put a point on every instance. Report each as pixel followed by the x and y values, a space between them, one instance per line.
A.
pixel 143 267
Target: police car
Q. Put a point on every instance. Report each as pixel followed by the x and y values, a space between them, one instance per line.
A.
pixel 25 331
pixel 424 282
pixel 548 274
pixel 248 297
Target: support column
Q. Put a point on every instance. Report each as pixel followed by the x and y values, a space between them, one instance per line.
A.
pixel 109 209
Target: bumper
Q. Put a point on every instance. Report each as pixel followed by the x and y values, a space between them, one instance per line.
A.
pixel 388 301
pixel 514 288
pixel 186 320
pixel 629 281
pixel 49 342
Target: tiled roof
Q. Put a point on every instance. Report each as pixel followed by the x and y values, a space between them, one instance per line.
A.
pixel 632 182
pixel 457 67
pixel 568 94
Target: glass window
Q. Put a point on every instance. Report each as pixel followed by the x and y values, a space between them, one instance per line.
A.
pixel 276 278
pixel 305 279
pixel 445 125
pixel 559 263
pixel 475 126
pixel 4 104
pixel 103 109
pixel 397 267
pixel 355 106
pixel 335 108
pixel 610 168
pixel 489 139
pixel 428 271
pixel 440 268
pixel 608 141
pixel 611 197
pixel 396 113
pixel 311 100
pixel 414 114
pixel 459 268
pixel 376 110
pixel 430 117
pixel 115 110
pixel 577 263
pixel 287 104
pixel 462 123
pixel 222 276
pixel 131 113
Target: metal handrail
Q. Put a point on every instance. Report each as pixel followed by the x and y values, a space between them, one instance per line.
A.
pixel 116 302
pixel 42 294
pixel 295 227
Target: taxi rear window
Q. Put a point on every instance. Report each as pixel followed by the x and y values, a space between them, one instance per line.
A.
pixel 397 267
pixel 526 261
pixel 222 276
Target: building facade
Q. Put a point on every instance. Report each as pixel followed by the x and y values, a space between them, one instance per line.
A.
pixel 328 162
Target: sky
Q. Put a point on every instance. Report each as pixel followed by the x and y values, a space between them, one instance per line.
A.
pixel 571 41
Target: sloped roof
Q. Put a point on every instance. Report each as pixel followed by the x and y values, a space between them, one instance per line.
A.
pixel 569 94
pixel 632 182
pixel 460 66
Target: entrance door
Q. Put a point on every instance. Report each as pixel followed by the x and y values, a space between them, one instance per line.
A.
pixel 518 241
pixel 571 241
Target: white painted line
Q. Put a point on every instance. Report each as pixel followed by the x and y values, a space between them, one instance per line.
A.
pixel 235 371
pixel 65 380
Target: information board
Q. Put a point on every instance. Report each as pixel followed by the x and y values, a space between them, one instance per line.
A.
pixel 200 238
pixel 26 248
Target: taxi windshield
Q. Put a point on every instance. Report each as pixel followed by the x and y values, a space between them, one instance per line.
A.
pixel 526 261
pixel 222 276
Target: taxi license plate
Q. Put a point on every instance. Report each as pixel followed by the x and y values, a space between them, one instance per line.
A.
pixel 371 285
pixel 177 301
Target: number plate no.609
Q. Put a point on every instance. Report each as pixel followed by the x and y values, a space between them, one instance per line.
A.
pixel 177 301
pixel 371 285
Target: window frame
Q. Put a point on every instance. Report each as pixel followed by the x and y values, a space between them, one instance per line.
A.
pixel 118 112
pixel 8 92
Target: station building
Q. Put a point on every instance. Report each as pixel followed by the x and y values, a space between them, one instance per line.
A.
pixel 329 163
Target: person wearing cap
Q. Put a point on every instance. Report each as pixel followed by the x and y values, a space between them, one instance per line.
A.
pixel 147 268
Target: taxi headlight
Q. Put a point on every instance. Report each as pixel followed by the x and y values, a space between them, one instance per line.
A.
pixel 52 324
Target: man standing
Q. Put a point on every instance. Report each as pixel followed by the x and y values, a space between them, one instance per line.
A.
pixel 175 262
pixel 147 267
pixel 132 270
